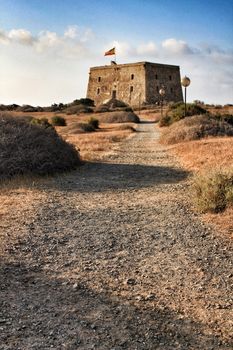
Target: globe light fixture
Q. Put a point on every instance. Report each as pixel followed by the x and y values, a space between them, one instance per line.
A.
pixel 185 82
pixel 162 93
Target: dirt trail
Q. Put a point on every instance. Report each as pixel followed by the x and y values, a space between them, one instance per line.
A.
pixel 110 257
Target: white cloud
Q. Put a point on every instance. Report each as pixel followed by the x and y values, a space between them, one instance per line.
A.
pixel 125 50
pixel 149 48
pixel 21 36
pixel 174 46
pixel 3 37
pixel 87 35
pixel 73 42
pixel 71 32
pixel 47 40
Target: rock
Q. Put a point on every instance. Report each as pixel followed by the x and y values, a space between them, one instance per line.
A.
pixel 131 281
pixel 150 296
pixel 75 286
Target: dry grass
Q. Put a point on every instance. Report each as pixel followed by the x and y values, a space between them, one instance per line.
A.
pixel 203 156
pixel 206 153
pixel 98 144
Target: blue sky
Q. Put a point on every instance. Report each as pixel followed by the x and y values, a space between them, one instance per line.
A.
pixel 47 47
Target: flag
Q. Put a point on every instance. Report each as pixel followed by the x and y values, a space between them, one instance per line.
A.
pixel 110 52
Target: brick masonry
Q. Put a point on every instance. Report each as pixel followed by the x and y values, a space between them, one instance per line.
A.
pixel 134 83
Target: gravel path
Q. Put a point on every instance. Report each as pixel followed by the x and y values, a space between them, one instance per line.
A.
pixel 111 257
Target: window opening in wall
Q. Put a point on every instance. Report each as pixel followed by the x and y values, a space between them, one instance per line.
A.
pixel 99 79
pixel 132 76
pixel 156 76
pixel 171 89
pixel 157 88
pixel 131 88
pixel 98 91
pixel 113 93
pixel 170 77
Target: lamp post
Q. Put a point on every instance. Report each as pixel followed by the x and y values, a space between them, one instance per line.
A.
pixel 162 92
pixel 185 82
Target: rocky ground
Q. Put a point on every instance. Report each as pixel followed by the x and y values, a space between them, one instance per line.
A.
pixel 111 257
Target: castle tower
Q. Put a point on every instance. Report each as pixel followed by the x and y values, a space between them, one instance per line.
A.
pixel 134 83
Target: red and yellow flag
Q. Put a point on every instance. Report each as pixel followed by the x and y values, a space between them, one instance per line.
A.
pixel 110 52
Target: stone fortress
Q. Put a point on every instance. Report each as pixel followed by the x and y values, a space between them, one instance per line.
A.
pixel 135 83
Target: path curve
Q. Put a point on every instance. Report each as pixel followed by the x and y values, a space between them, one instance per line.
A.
pixel 111 257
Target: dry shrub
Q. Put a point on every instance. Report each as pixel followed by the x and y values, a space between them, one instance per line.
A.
pixel 42 122
pixel 76 128
pixel 213 191
pixel 101 109
pixel 86 127
pixel 77 109
pixel 93 122
pixel 120 117
pixel 58 121
pixel 33 149
pixel 113 105
pixel 196 127
pixel 225 117
pixel 72 128
pixel 27 108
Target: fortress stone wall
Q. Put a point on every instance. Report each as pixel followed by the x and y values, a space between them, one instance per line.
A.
pixel 134 83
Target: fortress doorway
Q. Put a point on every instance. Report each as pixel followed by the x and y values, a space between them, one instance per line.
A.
pixel 113 93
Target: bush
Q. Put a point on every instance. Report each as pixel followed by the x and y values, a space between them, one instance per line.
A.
pixel 114 103
pixel 27 108
pixel 120 117
pixel 31 149
pixel 12 107
pixel 86 127
pixel 41 122
pixel 196 127
pixel 78 109
pixel 177 110
pixel 58 121
pixel 101 109
pixel 225 117
pixel 175 105
pixel 166 120
pixel 104 109
pixel 94 122
pixel 213 191
pixel 83 101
